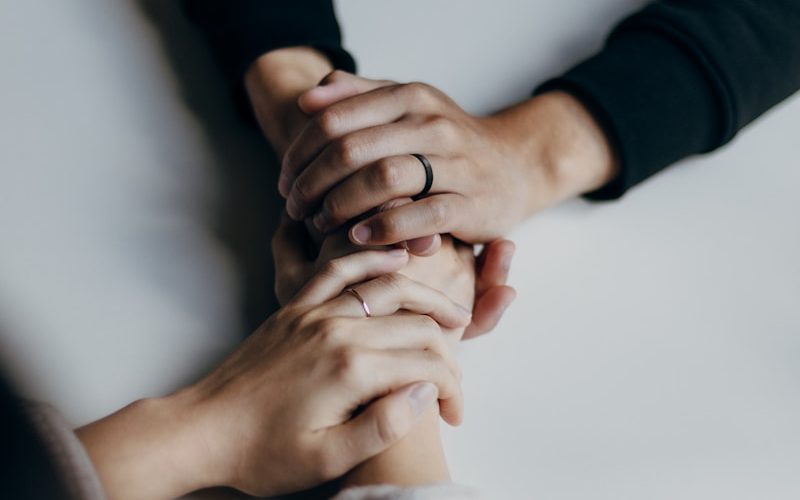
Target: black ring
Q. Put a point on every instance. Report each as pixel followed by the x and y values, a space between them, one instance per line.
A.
pixel 428 174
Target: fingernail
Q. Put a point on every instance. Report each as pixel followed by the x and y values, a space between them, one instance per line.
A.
pixel 421 397
pixel 321 221
pixel 361 234
pixel 506 264
pixel 292 209
pixel 283 185
pixel 397 253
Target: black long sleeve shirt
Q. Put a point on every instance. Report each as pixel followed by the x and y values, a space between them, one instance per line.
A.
pixel 677 78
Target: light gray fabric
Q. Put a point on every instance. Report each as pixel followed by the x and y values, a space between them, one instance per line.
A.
pixel 69 455
pixel 388 492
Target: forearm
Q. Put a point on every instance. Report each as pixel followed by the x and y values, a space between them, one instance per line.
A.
pixel 417 459
pixel 151 449
pixel 561 149
pixel 273 83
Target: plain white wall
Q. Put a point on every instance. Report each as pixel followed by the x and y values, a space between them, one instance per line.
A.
pixel 652 351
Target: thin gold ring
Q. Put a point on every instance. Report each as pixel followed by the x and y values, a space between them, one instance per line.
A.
pixel 364 305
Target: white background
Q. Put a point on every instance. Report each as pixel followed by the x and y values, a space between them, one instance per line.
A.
pixel 652 352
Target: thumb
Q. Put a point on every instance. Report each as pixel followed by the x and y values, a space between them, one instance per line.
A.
pixel 336 86
pixel 383 422
pixel 488 310
pixel 492 296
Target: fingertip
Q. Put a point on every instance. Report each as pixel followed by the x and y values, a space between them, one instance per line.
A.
pixel 315 99
pixel 489 310
pixel 452 411
pixel 304 102
pixel 360 234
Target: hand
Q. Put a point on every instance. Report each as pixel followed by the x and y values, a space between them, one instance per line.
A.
pixel 280 413
pixel 294 265
pixel 489 173
pixel 276 80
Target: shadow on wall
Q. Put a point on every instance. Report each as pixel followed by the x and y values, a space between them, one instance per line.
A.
pixel 245 165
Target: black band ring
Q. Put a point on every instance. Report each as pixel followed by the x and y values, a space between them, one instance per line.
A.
pixel 428 174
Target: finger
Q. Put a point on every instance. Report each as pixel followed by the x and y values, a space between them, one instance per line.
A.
pixel 488 310
pixel 403 331
pixel 387 294
pixel 292 263
pixel 388 370
pixel 380 106
pixel 425 246
pixel 492 297
pixel 493 265
pixel 340 273
pixel 336 85
pixel 343 156
pixel 381 181
pixel 383 423
pixel 437 214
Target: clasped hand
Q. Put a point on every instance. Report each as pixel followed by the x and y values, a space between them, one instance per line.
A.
pixel 355 155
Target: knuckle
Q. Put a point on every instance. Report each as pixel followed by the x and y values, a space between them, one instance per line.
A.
pixel 331 330
pixel 303 321
pixel 334 207
pixel 302 189
pixel 285 314
pixel 438 212
pixel 347 150
pixel 349 365
pixel 332 269
pixel 443 129
pixel 420 91
pixel 387 175
pixel 329 123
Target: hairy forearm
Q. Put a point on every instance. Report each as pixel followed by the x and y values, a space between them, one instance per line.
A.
pixel 417 459
pixel 273 83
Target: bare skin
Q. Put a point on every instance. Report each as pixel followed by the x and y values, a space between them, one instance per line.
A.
pixel 490 172
pixel 418 458
pixel 278 414
pixel 277 84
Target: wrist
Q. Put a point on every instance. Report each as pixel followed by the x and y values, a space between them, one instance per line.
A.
pixel 417 459
pixel 153 448
pixel 274 82
pixel 560 148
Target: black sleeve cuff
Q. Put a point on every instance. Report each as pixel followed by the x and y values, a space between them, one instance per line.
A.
pixel 652 98
pixel 242 30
